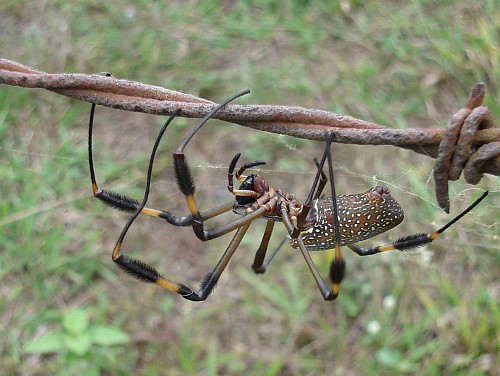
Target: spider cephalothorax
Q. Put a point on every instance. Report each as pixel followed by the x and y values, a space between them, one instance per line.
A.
pixel 254 192
pixel 314 224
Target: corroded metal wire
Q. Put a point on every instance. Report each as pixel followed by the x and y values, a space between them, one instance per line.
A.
pixel 457 151
pixel 476 152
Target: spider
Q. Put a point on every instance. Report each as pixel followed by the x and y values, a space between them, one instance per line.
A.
pixel 312 225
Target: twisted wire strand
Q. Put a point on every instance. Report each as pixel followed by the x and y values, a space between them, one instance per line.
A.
pixel 470 144
pixel 457 152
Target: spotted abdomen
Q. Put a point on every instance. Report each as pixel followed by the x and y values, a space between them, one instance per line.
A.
pixel 361 216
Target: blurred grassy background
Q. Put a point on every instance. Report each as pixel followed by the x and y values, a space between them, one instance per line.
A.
pixel 402 64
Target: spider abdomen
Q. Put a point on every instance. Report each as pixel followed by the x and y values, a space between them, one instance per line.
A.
pixel 361 216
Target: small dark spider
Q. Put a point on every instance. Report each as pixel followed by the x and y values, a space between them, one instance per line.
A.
pixel 314 224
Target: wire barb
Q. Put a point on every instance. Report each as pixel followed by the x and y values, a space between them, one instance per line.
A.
pixel 457 151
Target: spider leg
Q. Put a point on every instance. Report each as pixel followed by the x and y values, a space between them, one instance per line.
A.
pixel 322 181
pixel 188 220
pixel 328 294
pixel 415 240
pixel 337 267
pixel 129 204
pixel 260 265
pixel 146 273
pixel 137 268
pixel 258 262
pixel 186 185
pixel 318 185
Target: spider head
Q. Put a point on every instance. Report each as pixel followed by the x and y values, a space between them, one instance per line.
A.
pixel 254 187
pixel 247 185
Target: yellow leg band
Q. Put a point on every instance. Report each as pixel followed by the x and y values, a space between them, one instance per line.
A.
pixel 116 250
pixel 386 248
pixel 151 212
pixel 435 235
pixel 192 204
pixel 336 288
pixel 168 285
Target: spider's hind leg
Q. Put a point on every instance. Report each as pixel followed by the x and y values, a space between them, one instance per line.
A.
pixel 413 241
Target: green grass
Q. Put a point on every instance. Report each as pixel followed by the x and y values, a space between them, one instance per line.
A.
pixel 410 64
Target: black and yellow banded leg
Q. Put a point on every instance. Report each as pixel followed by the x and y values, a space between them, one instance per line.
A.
pixel 186 186
pixel 130 205
pixel 119 201
pixel 415 240
pixel 337 267
pixel 137 268
pixel 148 274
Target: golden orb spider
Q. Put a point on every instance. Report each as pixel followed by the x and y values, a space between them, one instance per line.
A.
pixel 314 224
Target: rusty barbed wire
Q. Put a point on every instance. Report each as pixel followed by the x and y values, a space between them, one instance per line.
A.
pixel 476 152
pixel 456 151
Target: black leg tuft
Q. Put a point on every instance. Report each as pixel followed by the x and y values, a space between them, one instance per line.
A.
pixel 138 269
pixel 183 175
pixel 406 243
pixel 117 201
pixel 337 271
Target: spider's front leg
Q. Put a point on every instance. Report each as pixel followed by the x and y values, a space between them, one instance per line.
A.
pixel 146 273
pixel 253 193
pixel 186 185
pixel 124 203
